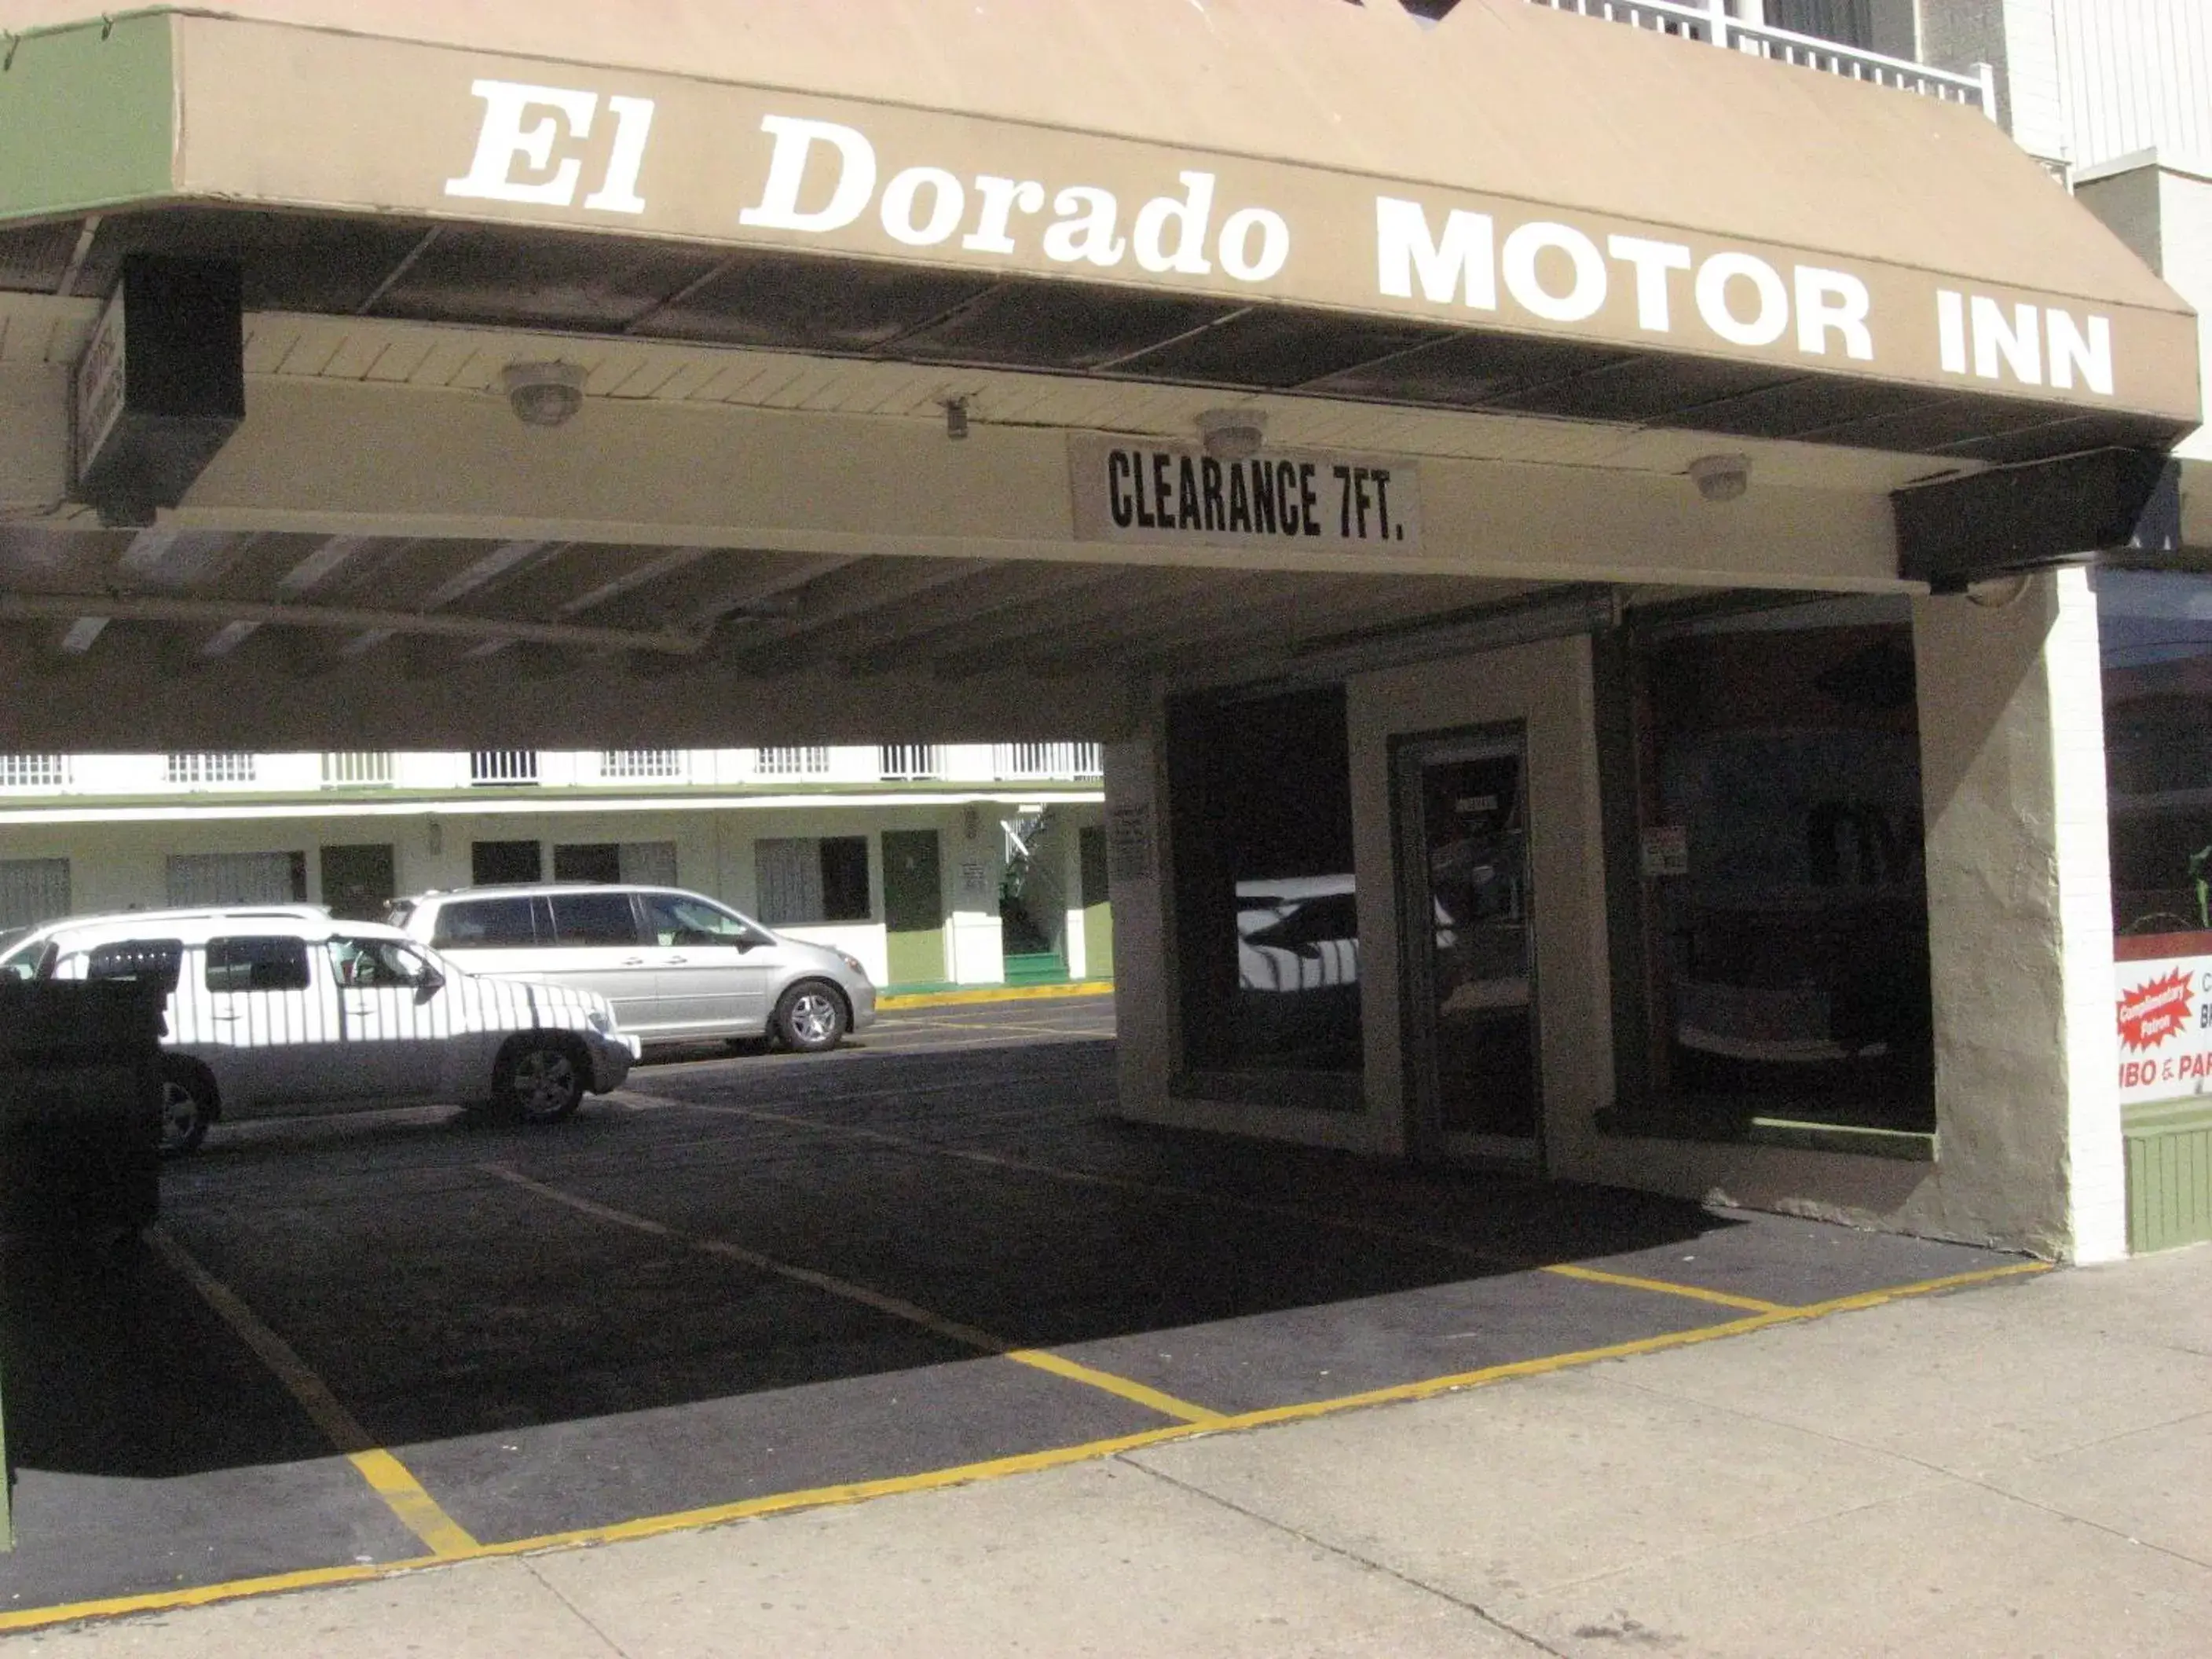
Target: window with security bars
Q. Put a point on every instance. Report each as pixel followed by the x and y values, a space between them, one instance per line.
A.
pixel 493 768
pixel 32 890
pixel 33 771
pixel 803 879
pixel 356 769
pixel 195 769
pixel 642 765
pixel 1042 762
pixel 908 762
pixel 792 762
pixel 226 879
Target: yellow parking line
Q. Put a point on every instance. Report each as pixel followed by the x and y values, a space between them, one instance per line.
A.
pixel 1086 988
pixel 388 1477
pixel 859 1492
pixel 1166 1404
pixel 1663 1287
pixel 897 1307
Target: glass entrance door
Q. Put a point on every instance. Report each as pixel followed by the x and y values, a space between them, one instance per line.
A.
pixel 1467 922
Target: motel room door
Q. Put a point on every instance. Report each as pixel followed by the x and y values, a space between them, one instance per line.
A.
pixel 1467 921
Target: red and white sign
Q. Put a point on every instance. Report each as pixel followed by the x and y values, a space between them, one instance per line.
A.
pixel 2165 1014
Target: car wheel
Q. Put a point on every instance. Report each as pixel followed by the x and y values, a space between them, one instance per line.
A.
pixel 187 1108
pixel 539 1080
pixel 811 1017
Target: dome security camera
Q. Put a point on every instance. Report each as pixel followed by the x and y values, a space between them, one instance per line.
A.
pixel 543 394
pixel 1232 434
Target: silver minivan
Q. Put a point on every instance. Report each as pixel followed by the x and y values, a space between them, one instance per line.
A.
pixel 678 966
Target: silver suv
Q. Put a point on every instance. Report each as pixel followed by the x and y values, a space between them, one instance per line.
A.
pixel 280 1008
pixel 676 965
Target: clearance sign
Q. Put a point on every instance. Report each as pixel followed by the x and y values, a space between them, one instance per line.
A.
pixel 2165 1013
pixel 1132 490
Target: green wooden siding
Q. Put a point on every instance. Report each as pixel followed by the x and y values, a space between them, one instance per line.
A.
pixel 2169 1148
pixel 86 116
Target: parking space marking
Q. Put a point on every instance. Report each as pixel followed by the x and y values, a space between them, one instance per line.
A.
pixel 1254 1206
pixel 1111 1183
pixel 388 1477
pixel 654 1526
pixel 1166 1404
pixel 1664 1287
pixel 952 1330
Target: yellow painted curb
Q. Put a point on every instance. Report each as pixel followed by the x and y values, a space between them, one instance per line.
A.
pixel 1082 987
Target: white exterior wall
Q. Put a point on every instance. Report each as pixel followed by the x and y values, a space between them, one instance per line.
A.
pixel 120 863
pixel 2137 75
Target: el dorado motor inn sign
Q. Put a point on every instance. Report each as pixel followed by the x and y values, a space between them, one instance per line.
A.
pixel 1103 210
pixel 712 163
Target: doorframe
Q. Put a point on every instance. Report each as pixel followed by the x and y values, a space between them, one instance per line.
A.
pixel 1426 1141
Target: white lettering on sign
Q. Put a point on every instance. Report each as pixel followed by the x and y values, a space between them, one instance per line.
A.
pixel 540 146
pixel 2164 1009
pixel 101 388
pixel 1555 271
pixel 822 178
pixel 1130 491
pixel 2015 341
pixel 527 127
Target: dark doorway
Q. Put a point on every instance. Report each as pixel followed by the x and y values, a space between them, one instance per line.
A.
pixel 914 907
pixel 1469 947
pixel 1265 906
pixel 359 880
pixel 491 861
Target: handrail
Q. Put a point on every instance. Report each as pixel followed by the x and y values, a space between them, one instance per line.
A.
pixel 1710 24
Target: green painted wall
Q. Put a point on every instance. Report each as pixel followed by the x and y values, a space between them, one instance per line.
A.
pixel 86 116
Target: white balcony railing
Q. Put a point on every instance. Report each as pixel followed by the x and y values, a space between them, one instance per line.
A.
pixel 909 762
pixel 34 771
pixel 495 768
pixel 192 771
pixel 356 769
pixel 1710 23
pixel 794 762
pixel 1024 762
pixel 642 765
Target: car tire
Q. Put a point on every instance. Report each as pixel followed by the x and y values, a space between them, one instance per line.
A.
pixel 809 1017
pixel 188 1106
pixel 539 1080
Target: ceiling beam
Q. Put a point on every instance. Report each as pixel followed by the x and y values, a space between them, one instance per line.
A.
pixel 301 579
pixel 778 646
pixel 1130 587
pixel 1186 600
pixel 990 592
pixel 478 573
pixel 386 624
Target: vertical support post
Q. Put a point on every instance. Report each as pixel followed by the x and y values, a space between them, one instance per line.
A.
pixel 1718 11
pixel 1987 75
pixel 2020 920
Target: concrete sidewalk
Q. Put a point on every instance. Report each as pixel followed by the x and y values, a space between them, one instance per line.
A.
pixel 2020 1469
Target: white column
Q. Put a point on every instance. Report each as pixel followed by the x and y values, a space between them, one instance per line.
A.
pixel 2019 920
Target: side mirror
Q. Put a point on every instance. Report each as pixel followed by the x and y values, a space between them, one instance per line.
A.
pixel 433 982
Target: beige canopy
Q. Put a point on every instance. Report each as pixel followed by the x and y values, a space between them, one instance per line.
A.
pixel 1519 209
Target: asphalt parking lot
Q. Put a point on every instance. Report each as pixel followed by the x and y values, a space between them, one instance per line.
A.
pixel 757 1282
